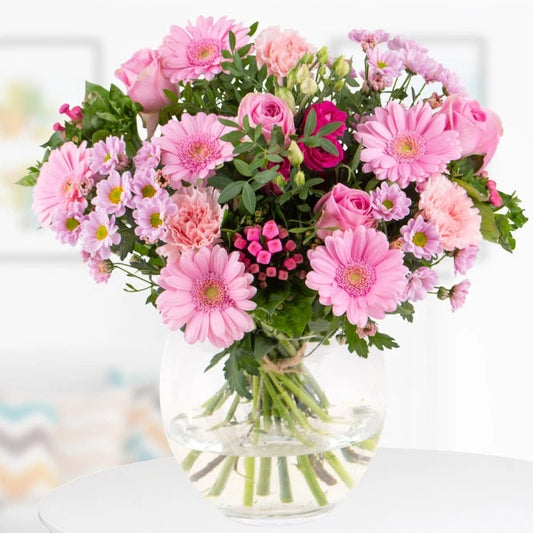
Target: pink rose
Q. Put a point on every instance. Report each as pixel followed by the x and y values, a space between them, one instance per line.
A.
pixel 280 50
pixel 327 112
pixel 344 208
pixel 267 110
pixel 145 84
pixel 479 128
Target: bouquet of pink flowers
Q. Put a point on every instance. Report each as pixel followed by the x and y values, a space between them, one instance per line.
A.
pixel 277 193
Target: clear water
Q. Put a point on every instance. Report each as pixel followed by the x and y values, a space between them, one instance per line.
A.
pixel 268 475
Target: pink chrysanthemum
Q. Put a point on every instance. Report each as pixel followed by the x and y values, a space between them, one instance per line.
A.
pixel 108 155
pixel 145 185
pixel 99 267
pixel 61 181
pixel 191 148
pixel 458 294
pixel 451 83
pixel 196 51
pixel 358 274
pixel 451 210
pixel 208 292
pixel 150 217
pixel 421 238
pixel 98 233
pixel 406 145
pixel 419 283
pixel 113 194
pixel 148 156
pixel 400 43
pixel 368 39
pixel 464 259
pixel 385 62
pixel 389 202
pixel 195 224
pixel 67 225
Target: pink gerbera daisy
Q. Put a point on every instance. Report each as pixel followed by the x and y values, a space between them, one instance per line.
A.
pixel 405 145
pixel 208 292
pixel 191 148
pixel 196 51
pixel 357 273
pixel 98 233
pixel 62 180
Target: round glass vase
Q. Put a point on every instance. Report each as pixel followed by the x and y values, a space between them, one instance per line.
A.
pixel 293 449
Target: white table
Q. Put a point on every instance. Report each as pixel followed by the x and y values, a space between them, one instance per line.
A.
pixel 402 491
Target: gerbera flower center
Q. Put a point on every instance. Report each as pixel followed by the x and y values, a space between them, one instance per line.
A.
pixel 198 152
pixel 148 191
pixel 420 239
pixel 203 51
pixel 210 294
pixel 407 146
pixel 356 279
pixel 155 220
pixel 115 195
pixel 71 224
pixel 101 233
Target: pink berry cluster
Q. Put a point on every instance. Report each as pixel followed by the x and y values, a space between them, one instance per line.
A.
pixel 494 196
pixel 268 253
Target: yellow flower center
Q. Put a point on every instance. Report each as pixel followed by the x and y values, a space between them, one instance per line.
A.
pixel 420 239
pixel 115 195
pixel 155 220
pixel 101 233
pixel 71 224
pixel 148 191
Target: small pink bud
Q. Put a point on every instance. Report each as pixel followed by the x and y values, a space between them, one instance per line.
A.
pixel 240 243
pixel 270 229
pixel 283 275
pixel 76 114
pixel 299 258
pixel 290 246
pixel 254 248
pixel 491 184
pixel 274 246
pixel 261 276
pixel 65 108
pixel 289 263
pixel 263 257
pixel 271 272
pixel 283 233
pixel 253 268
pixel 253 233
pixel 495 199
pixel 57 127
pixel 302 274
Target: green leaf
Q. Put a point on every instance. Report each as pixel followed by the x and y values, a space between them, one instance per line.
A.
pixel 248 198
pixel 329 128
pixel 472 163
pixel 231 191
pixel 328 146
pixel 295 316
pixel 472 191
pixel 381 341
pixel 272 297
pixel 242 167
pixel 232 137
pixel 310 123
pixel 406 310
pixel 253 28
pixel 235 377
pixel 219 181
pixel 227 122
pixel 29 180
pixel 262 345
pixel 216 358
pixel 355 343
pixel 489 229
pixel 232 40
pixel 266 175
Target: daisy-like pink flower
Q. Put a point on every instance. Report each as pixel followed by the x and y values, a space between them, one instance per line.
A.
pixel 357 273
pixel 385 62
pixel 191 148
pixel 419 283
pixel 195 224
pixel 405 145
pixel 99 267
pixel 196 51
pixel 208 292
pixel 389 202
pixel 60 181
pixel 67 224
pixel 450 209
pixel 401 43
pixel 145 185
pixel 464 259
pixel 451 83
pixel 150 217
pixel 458 294
pixel 368 39
pixel 108 155
pixel 113 194
pixel 148 156
pixel 98 233
pixel 421 238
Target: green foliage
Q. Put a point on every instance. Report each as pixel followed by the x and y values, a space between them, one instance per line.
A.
pixel 354 342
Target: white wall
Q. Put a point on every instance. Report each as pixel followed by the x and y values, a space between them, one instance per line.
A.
pixel 460 381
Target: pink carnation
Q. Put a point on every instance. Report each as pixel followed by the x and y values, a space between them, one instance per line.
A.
pixel 451 210
pixel 196 51
pixel 195 224
pixel 280 50
pixel 209 293
pixel 62 181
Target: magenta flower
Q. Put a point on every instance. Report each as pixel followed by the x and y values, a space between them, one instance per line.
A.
pixel 421 238
pixel 150 217
pixel 458 294
pixel 358 274
pixel 98 233
pixel 405 145
pixel 390 202
pixel 196 51
pixel 61 181
pixel 464 259
pixel 108 155
pixel 419 283
pixel 209 293
pixel 67 224
pixel 113 194
pixel 191 148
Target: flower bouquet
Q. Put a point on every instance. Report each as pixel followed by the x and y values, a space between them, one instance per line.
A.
pixel 272 200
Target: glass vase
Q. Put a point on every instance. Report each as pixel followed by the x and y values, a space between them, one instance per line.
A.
pixel 293 449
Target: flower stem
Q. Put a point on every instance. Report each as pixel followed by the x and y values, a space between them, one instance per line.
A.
pixel 300 393
pixel 334 462
pixel 265 473
pixel 190 459
pixel 285 491
pixel 312 482
pixel 225 471
pixel 249 478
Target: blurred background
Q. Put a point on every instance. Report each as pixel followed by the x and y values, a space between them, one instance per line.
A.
pixel 79 362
